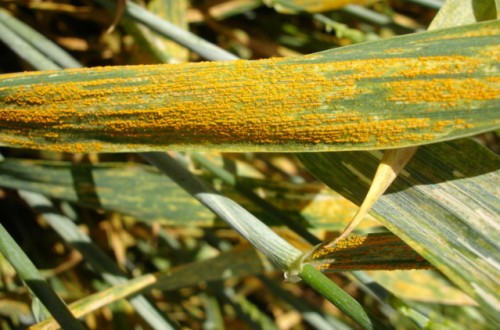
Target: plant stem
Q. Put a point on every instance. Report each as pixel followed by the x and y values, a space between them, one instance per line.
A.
pixel 332 292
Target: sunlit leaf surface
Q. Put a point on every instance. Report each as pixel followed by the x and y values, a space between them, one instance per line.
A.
pixel 444 205
pixel 403 91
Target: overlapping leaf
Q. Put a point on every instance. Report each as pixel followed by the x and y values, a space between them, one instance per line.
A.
pixel 146 194
pixel 444 205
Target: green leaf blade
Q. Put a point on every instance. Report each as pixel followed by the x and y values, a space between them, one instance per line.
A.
pixel 444 205
pixel 398 92
pixel 36 282
pixel 140 191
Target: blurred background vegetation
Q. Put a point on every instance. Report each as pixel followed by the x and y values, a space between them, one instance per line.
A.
pixel 146 229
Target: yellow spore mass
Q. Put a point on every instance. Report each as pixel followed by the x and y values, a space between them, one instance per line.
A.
pixel 307 103
pixel 356 252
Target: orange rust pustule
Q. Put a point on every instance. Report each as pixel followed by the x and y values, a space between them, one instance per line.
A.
pixel 369 253
pixel 268 102
pixel 445 92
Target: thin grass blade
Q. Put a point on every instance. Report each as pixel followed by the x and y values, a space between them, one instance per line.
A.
pixel 103 264
pixel 35 281
pixel 279 251
pixel 242 261
pixel 331 291
pixel 24 49
pixel 143 192
pixel 39 42
pixel 171 31
pixel 311 314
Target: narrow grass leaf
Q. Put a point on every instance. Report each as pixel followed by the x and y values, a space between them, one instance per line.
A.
pixel 342 99
pixel 120 8
pixel 148 51
pixel 245 310
pixel 100 299
pixel 204 48
pixel 101 263
pixel 148 195
pixel 241 261
pixel 38 41
pixel 224 10
pixel 24 49
pixel 214 319
pixel 328 289
pixel 341 30
pixel 279 251
pixel 444 205
pixel 368 15
pixel 35 281
pixel 311 314
pixel 316 6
